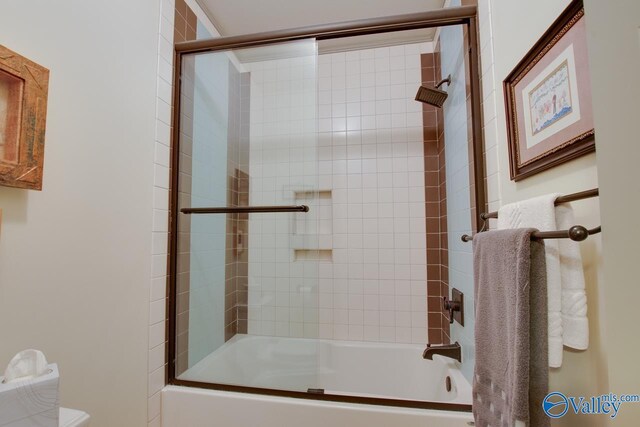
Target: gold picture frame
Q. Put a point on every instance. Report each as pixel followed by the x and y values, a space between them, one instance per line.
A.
pixel 24 87
pixel 548 99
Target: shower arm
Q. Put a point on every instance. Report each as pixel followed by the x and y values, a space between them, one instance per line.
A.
pixel 443 81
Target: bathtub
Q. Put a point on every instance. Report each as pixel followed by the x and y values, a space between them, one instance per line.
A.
pixel 342 382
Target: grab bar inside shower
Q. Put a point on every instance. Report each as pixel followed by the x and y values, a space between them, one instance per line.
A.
pixel 245 209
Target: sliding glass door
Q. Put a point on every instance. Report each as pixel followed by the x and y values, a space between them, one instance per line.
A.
pixel 251 230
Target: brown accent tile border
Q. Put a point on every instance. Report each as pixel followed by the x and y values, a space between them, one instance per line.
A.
pixel 185 23
pixel 237 230
pixel 441 229
pixel 435 206
pixel 444 243
pixel 237 227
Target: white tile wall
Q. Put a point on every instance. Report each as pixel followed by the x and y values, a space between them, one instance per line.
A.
pixel 369 153
pixel 157 297
pixel 489 104
pixel 371 131
pixel 284 163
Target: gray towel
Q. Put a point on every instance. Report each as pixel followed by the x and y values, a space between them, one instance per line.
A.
pixel 511 375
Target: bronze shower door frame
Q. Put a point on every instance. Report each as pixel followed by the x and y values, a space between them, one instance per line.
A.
pixel 464 15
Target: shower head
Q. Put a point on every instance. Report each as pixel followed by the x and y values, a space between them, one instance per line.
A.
pixel 433 95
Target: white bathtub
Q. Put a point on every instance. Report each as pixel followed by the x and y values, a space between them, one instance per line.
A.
pixel 340 368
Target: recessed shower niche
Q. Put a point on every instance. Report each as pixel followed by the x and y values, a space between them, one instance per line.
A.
pixel 312 238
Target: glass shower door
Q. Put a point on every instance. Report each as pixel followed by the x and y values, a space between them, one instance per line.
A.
pixel 248 252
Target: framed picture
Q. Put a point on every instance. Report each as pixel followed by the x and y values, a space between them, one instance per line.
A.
pixel 548 99
pixel 24 87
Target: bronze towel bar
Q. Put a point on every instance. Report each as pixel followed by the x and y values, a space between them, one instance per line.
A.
pixel 562 199
pixel 576 233
pixel 246 209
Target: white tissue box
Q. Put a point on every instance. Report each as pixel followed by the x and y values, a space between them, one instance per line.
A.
pixel 31 402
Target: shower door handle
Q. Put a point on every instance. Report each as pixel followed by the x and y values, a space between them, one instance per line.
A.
pixel 245 209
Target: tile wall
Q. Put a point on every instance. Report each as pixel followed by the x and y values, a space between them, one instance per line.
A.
pixel 372 158
pixel 237 227
pixel 176 23
pixel 489 113
pixel 283 272
pixel 436 205
pixel 214 164
pixel 185 28
pixel 157 297
pixel 370 274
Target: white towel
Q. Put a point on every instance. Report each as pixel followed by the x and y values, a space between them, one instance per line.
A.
pixel 575 325
pixel 539 213
pixel 567 301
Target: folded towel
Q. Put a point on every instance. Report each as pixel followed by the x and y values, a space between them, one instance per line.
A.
pixel 575 325
pixel 511 374
pixel 539 212
pixel 567 300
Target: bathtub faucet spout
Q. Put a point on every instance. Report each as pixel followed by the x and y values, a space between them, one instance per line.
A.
pixel 453 351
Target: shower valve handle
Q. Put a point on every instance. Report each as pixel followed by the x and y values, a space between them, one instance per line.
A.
pixel 450 306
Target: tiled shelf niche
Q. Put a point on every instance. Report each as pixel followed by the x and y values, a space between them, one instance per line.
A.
pixel 325 255
pixel 312 238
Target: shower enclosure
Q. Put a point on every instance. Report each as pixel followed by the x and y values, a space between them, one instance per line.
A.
pixel 306 183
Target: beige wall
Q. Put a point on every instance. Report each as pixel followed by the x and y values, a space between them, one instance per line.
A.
pixel 75 261
pixel 513 28
pixel 614 48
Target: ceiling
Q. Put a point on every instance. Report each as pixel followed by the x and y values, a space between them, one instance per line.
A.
pixel 235 17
